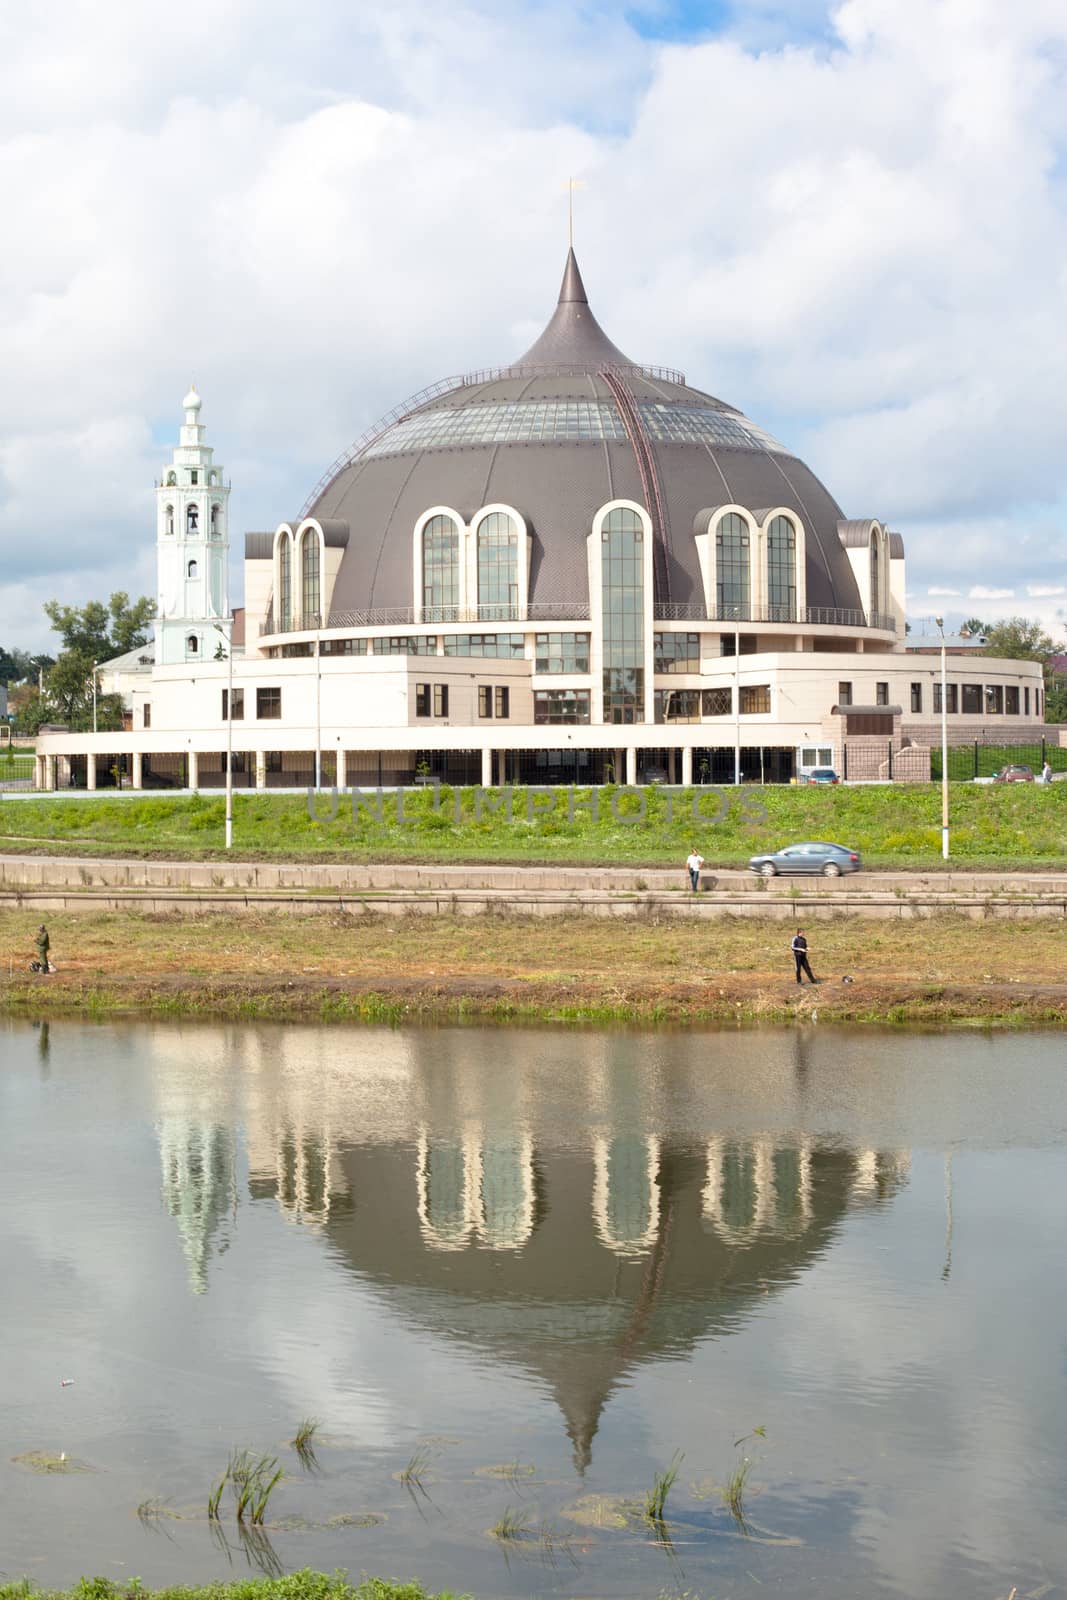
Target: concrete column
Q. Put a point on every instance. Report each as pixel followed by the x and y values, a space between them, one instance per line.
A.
pixel 38 772
pixel 51 772
pixel 487 769
pixel 672 766
pixel 137 770
pixel 261 769
pixel 342 768
pixel 631 766
pixel 90 770
pixel 193 770
pixel 687 767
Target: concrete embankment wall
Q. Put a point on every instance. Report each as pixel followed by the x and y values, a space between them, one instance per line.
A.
pixel 64 883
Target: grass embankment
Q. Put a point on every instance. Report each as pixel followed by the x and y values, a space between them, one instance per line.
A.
pixel 1013 826
pixel 304 1585
pixel 518 969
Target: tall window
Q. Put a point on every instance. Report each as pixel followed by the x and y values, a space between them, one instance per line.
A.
pixel 215 520
pixel 285 583
pixel 190 571
pixel 875 595
pixel 731 569
pixel 192 519
pixel 498 566
pixel 309 579
pixel 782 570
pixel 440 570
pixel 623 589
pixel 169 520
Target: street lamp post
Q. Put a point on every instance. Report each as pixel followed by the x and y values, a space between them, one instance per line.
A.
pixel 318 712
pixel 944 750
pixel 229 729
pixel 94 696
pixel 737 706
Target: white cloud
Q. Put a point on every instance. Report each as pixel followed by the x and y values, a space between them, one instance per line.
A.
pixel 1045 591
pixel 330 208
pixel 933 590
pixel 980 592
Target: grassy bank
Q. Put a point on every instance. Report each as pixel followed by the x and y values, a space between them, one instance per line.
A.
pixel 1014 826
pixel 518 969
pixel 304 1585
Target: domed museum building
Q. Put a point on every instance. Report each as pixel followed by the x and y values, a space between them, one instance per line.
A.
pixel 573 568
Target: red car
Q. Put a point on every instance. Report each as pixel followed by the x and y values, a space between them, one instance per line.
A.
pixel 1015 774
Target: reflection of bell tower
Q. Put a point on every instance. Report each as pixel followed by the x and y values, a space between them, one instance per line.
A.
pixel 192 548
pixel 199 1188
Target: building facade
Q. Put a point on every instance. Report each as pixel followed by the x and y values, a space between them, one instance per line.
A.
pixel 575 568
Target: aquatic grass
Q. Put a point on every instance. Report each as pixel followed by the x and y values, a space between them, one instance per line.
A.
pixel 303 1442
pixel 512 1525
pixel 303 1585
pixel 252 1479
pixel 418 1463
pixel 662 1484
pixel 734 1492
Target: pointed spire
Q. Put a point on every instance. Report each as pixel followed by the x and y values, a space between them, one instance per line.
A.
pixel 572 289
pixel 573 341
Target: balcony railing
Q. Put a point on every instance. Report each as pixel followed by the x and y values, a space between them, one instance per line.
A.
pixel 573 611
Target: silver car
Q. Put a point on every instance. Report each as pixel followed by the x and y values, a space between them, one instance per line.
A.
pixel 829 859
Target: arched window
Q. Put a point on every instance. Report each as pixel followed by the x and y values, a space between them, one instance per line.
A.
pixel 190 571
pixel 622 575
pixel 192 644
pixel 310 579
pixel 876 598
pixel 498 566
pixel 168 519
pixel 171 480
pixel 782 570
pixel 285 584
pixel 440 570
pixel 731 569
pixel 215 514
pixel 192 518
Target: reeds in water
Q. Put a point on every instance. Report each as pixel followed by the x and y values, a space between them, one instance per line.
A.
pixel 303 1442
pixel 662 1484
pixel 252 1479
pixel 512 1525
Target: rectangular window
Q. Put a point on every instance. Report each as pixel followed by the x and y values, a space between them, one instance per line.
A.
pixel 194 476
pixel 343 647
pixel 677 705
pixel 562 652
pixel 994 699
pixel 748 643
pixel 953 697
pixel 238 705
pixel 485 700
pixel 677 652
pixel 506 645
pixel 917 697
pixel 1011 701
pixel 844 694
pixel 268 704
pixel 440 699
pixel 716 702
pixel 406 645
pixel 755 698
pixel 1026 702
pixel 972 699
pixel 422 699
pixel 561 705
pixel 881 694
pixel 501 700
pixel 146 717
pixel 272 760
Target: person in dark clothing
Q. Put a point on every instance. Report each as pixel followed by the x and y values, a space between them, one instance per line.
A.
pixel 43 944
pixel 800 957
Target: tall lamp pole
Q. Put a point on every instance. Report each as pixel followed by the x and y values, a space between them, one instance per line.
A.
pixel 737 705
pixel 229 730
pixel 318 712
pixel 944 741
pixel 94 696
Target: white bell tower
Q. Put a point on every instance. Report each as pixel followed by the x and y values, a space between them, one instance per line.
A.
pixel 192 548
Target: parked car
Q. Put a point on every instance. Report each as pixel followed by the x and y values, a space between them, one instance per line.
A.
pixel 822 775
pixel 829 859
pixel 1014 774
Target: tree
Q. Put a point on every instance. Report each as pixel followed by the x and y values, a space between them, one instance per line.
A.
pixel 1025 639
pixel 973 626
pixel 91 634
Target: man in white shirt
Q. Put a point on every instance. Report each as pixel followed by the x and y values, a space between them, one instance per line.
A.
pixel 694 862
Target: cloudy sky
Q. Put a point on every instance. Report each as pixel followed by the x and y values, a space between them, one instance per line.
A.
pixel 847 220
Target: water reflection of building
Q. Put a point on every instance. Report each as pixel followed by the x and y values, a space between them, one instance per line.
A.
pixel 550 1214
pixel 199 1187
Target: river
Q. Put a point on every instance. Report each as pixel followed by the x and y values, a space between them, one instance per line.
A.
pixel 514 1275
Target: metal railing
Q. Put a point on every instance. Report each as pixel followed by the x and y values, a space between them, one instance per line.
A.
pixel 575 611
pixel 434 391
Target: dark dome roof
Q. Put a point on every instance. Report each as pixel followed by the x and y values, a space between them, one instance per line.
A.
pixel 551 436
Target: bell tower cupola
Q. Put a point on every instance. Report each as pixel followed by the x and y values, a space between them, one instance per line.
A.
pixel 192 547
